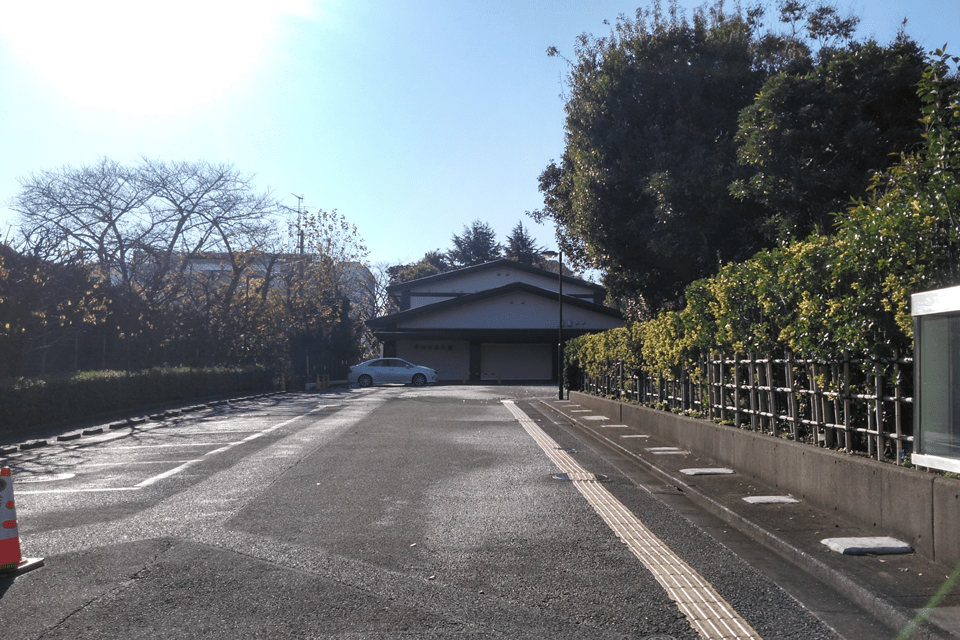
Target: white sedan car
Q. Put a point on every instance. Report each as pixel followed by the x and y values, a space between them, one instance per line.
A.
pixel 390 370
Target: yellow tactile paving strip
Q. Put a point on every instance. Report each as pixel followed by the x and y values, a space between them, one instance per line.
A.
pixel 707 611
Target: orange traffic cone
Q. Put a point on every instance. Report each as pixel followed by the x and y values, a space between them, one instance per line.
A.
pixel 11 562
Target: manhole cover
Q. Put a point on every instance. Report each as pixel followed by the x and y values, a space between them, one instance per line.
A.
pixel 660 637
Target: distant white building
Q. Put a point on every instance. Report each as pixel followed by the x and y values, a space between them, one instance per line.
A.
pixel 495 321
pixel 355 279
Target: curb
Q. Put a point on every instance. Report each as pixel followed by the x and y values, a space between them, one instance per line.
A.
pixel 138 420
pixel 889 613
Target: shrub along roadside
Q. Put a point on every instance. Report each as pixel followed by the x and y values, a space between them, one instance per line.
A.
pixel 29 402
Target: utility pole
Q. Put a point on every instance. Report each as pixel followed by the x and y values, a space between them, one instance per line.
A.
pixel 559 255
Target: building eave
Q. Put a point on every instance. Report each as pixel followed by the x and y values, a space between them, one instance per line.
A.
pixel 383 322
pixel 488 266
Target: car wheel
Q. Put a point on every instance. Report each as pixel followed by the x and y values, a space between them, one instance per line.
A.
pixel 364 381
pixel 419 380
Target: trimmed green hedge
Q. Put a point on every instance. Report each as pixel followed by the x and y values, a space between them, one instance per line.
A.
pixel 27 402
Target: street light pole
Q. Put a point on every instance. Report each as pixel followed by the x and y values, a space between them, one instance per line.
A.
pixel 559 255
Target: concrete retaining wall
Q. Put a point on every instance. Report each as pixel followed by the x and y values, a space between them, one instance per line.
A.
pixel 917 507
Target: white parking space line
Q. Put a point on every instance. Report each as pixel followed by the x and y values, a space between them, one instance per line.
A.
pixel 168 446
pixel 91 490
pixel 712 616
pixel 220 450
pixel 168 473
pixel 186 464
pixel 221 433
pixel 128 463
pixel 190 463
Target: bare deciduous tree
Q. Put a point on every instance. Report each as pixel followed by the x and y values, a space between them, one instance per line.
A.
pixel 197 263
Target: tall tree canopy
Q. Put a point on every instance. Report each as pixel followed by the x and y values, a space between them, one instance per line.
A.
pixel 822 295
pixel 643 189
pixel 813 139
pixel 477 244
pixel 432 263
pixel 190 265
pixel 522 248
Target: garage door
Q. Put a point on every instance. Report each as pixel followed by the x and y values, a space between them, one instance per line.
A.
pixel 516 361
pixel 450 358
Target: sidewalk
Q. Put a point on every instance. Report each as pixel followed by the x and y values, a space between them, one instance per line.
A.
pixel 896 588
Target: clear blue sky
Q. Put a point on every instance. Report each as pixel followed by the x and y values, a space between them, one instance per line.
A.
pixel 410 117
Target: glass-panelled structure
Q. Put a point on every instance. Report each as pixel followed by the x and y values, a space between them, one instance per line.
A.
pixel 936 322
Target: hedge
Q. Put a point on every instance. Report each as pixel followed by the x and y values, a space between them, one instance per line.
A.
pixel 28 402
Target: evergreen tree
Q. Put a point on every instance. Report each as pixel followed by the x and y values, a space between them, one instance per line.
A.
pixel 432 263
pixel 477 245
pixel 522 248
pixel 642 190
pixel 811 141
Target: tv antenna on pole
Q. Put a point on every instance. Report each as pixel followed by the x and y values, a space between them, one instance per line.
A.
pixel 299 228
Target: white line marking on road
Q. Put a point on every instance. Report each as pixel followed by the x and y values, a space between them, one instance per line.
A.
pixel 707 611
pixel 185 465
pixel 158 446
pixel 127 463
pixel 190 463
pixel 92 490
pixel 635 436
pixel 220 433
pixel 220 450
pixel 168 473
pixel 49 477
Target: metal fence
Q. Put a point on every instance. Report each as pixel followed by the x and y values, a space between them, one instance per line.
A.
pixel 855 405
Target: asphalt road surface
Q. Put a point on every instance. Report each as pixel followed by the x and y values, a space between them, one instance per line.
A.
pixel 390 512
